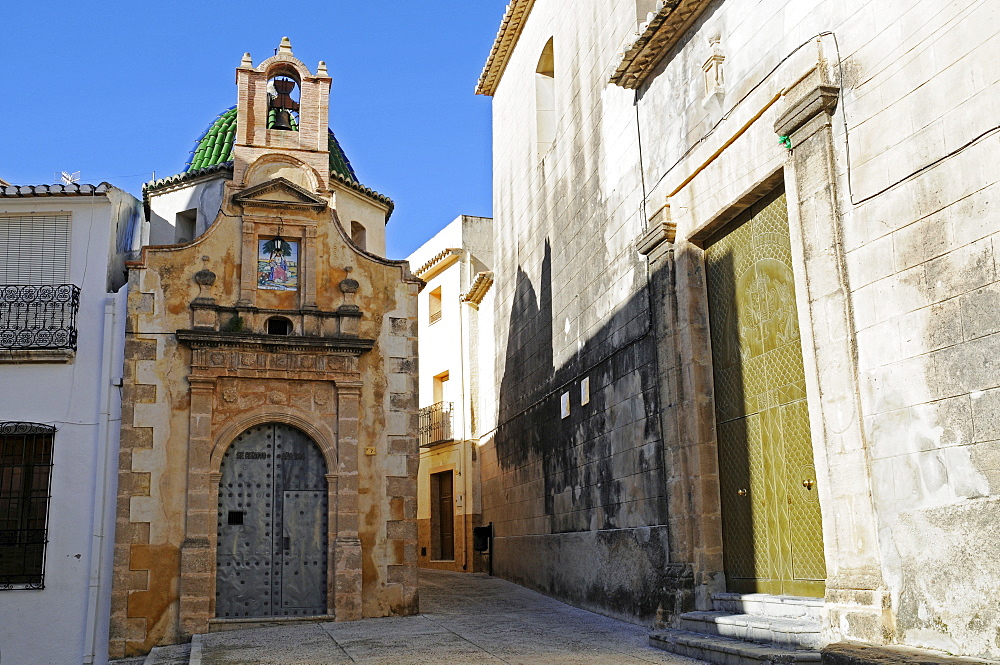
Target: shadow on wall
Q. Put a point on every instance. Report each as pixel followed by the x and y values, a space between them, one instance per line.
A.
pixel 605 454
pixel 592 483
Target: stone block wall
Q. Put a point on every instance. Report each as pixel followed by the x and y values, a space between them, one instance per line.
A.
pixel 888 172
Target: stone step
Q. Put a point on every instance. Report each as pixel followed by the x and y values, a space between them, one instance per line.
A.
pixel 728 651
pixel 175 654
pixel 763 604
pixel 801 632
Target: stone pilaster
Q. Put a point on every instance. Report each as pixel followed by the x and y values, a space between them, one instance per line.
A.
pixel 197 551
pixel 347 548
pixel 856 596
pixel 686 420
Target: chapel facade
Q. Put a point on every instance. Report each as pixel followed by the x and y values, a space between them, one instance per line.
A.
pixel 268 464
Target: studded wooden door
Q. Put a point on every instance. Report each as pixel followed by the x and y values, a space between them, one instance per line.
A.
pixel 271 556
pixel 772 530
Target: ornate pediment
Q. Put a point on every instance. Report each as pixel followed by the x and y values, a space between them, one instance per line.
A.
pixel 278 193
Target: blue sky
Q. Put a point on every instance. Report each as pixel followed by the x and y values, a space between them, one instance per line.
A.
pixel 118 90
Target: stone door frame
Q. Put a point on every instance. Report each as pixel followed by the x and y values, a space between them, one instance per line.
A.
pixel 211 434
pixel 217 493
pixel 856 600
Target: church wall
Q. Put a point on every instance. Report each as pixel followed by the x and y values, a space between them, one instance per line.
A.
pixel 906 419
pixel 204 196
pixel 893 291
pixel 579 504
pixel 352 207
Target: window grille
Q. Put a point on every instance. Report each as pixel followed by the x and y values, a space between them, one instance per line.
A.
pixel 34 249
pixel 25 477
pixel 38 317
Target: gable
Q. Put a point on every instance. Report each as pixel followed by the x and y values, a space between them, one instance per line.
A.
pixel 278 192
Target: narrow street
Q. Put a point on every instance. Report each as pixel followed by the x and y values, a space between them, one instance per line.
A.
pixel 465 619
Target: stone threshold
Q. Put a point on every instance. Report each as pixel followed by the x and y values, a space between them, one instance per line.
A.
pixel 218 625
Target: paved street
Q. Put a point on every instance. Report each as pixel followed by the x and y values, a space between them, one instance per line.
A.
pixel 465 619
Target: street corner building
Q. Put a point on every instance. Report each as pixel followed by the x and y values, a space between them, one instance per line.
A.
pixel 746 319
pixel 62 329
pixel 268 452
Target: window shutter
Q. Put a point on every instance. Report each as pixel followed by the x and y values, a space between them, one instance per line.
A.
pixel 34 249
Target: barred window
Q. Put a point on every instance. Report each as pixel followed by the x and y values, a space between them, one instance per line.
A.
pixel 25 475
pixel 34 249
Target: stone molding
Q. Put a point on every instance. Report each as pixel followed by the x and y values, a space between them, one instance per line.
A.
pixel 658 238
pixel 256 196
pixel 810 97
pixel 856 606
pixel 209 339
pixel 18 356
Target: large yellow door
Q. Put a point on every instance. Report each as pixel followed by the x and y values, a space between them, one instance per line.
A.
pixel 772 530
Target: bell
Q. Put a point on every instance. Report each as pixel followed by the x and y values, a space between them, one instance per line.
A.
pixel 282 120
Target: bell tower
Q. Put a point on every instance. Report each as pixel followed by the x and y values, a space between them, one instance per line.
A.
pixel 282 122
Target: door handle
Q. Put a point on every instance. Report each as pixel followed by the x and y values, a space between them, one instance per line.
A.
pixel 742 492
pixel 286 543
pixel 808 483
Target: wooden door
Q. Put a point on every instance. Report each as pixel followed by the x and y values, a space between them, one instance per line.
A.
pixel 271 555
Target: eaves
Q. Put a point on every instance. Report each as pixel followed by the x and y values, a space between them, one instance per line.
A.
pixel 656 37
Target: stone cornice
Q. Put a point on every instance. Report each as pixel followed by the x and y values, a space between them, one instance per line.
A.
pixel 658 233
pixel 510 30
pixel 279 343
pixel 253 196
pixel 656 37
pixel 805 100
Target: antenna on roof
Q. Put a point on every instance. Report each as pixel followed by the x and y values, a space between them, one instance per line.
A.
pixel 68 178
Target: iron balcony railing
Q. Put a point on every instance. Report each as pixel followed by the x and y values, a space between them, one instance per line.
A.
pixel 38 317
pixel 435 423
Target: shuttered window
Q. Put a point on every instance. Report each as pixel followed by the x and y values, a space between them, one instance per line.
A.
pixel 34 249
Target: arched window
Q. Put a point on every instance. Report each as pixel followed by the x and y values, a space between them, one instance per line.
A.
pixel 359 235
pixel 279 325
pixel 283 103
pixel 545 100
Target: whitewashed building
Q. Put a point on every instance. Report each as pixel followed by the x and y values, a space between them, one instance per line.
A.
pixel 62 329
pixel 455 341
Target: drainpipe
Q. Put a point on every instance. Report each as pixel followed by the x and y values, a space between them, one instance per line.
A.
pixel 463 278
pixel 104 485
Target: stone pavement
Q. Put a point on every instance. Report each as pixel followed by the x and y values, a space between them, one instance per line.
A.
pixel 465 619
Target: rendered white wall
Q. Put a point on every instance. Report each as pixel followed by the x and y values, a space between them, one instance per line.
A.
pixel 66 622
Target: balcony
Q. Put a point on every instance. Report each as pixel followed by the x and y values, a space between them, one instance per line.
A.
pixel 38 318
pixel 435 424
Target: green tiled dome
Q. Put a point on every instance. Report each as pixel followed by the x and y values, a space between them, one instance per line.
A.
pixel 215 146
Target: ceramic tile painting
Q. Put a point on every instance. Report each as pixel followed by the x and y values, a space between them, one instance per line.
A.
pixel 278 264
